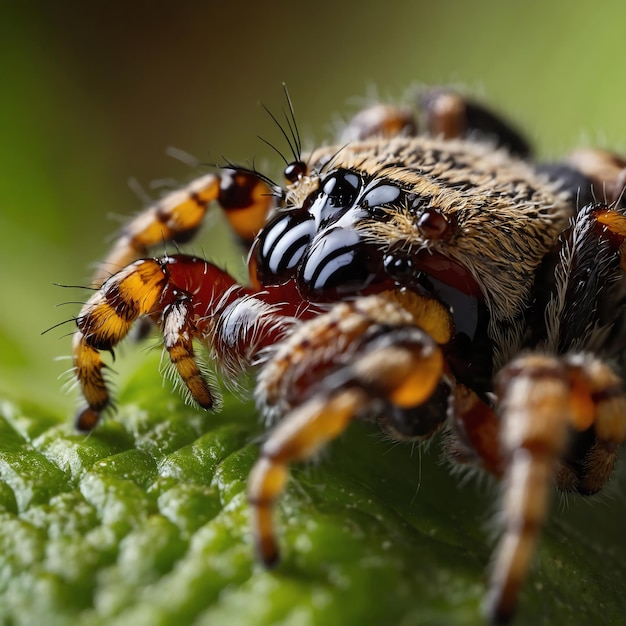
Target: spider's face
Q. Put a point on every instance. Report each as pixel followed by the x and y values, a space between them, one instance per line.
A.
pixel 327 248
pixel 412 212
pixel 322 244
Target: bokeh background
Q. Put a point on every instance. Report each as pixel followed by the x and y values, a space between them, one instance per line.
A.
pixel 92 94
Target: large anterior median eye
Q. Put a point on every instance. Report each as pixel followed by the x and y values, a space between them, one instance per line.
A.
pixel 338 263
pixel 337 193
pixel 280 246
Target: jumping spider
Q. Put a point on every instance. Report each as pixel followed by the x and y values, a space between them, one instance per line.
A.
pixel 427 276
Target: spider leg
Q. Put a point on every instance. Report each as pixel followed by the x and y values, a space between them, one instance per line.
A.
pixel 103 321
pixel 244 197
pixel 474 429
pixel 375 354
pixel 443 112
pixel 606 172
pixel 303 432
pixel 182 294
pixel 379 120
pixel 447 114
pixel 547 405
pixel 562 416
pixel 580 290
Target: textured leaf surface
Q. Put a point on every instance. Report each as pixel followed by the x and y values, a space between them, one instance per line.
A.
pixel 145 522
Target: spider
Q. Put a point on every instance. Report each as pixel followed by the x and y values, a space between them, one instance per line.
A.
pixel 423 273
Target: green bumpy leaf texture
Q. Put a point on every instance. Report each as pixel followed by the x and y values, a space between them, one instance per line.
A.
pixel 145 521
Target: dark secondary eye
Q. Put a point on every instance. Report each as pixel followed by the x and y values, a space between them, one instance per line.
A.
pixel 341 188
pixel 337 193
pixel 338 263
pixel 294 171
pixel 433 224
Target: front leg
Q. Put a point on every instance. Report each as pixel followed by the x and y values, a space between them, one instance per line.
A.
pixel 189 299
pixel 377 356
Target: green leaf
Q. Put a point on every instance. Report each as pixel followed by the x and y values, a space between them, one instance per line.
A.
pixel 145 521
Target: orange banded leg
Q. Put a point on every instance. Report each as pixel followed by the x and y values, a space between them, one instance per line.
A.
pixel 599 409
pixel 545 402
pixel 385 364
pixel 162 289
pixel 303 433
pixel 179 331
pixel 245 198
pixel 104 320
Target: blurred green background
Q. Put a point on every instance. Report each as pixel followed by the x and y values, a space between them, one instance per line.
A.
pixel 93 93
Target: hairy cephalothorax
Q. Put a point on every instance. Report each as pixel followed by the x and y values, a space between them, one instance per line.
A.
pixel 432 279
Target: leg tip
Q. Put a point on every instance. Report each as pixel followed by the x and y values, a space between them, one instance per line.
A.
pixel 86 420
pixel 498 612
pixel 272 561
pixel 268 553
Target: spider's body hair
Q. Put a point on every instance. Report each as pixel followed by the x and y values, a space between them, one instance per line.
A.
pixel 507 215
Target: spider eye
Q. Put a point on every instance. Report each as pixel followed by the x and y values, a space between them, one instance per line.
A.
pixel 294 171
pixel 336 195
pixel 341 188
pixel 433 224
pixel 400 268
pixel 338 263
pixel 280 246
